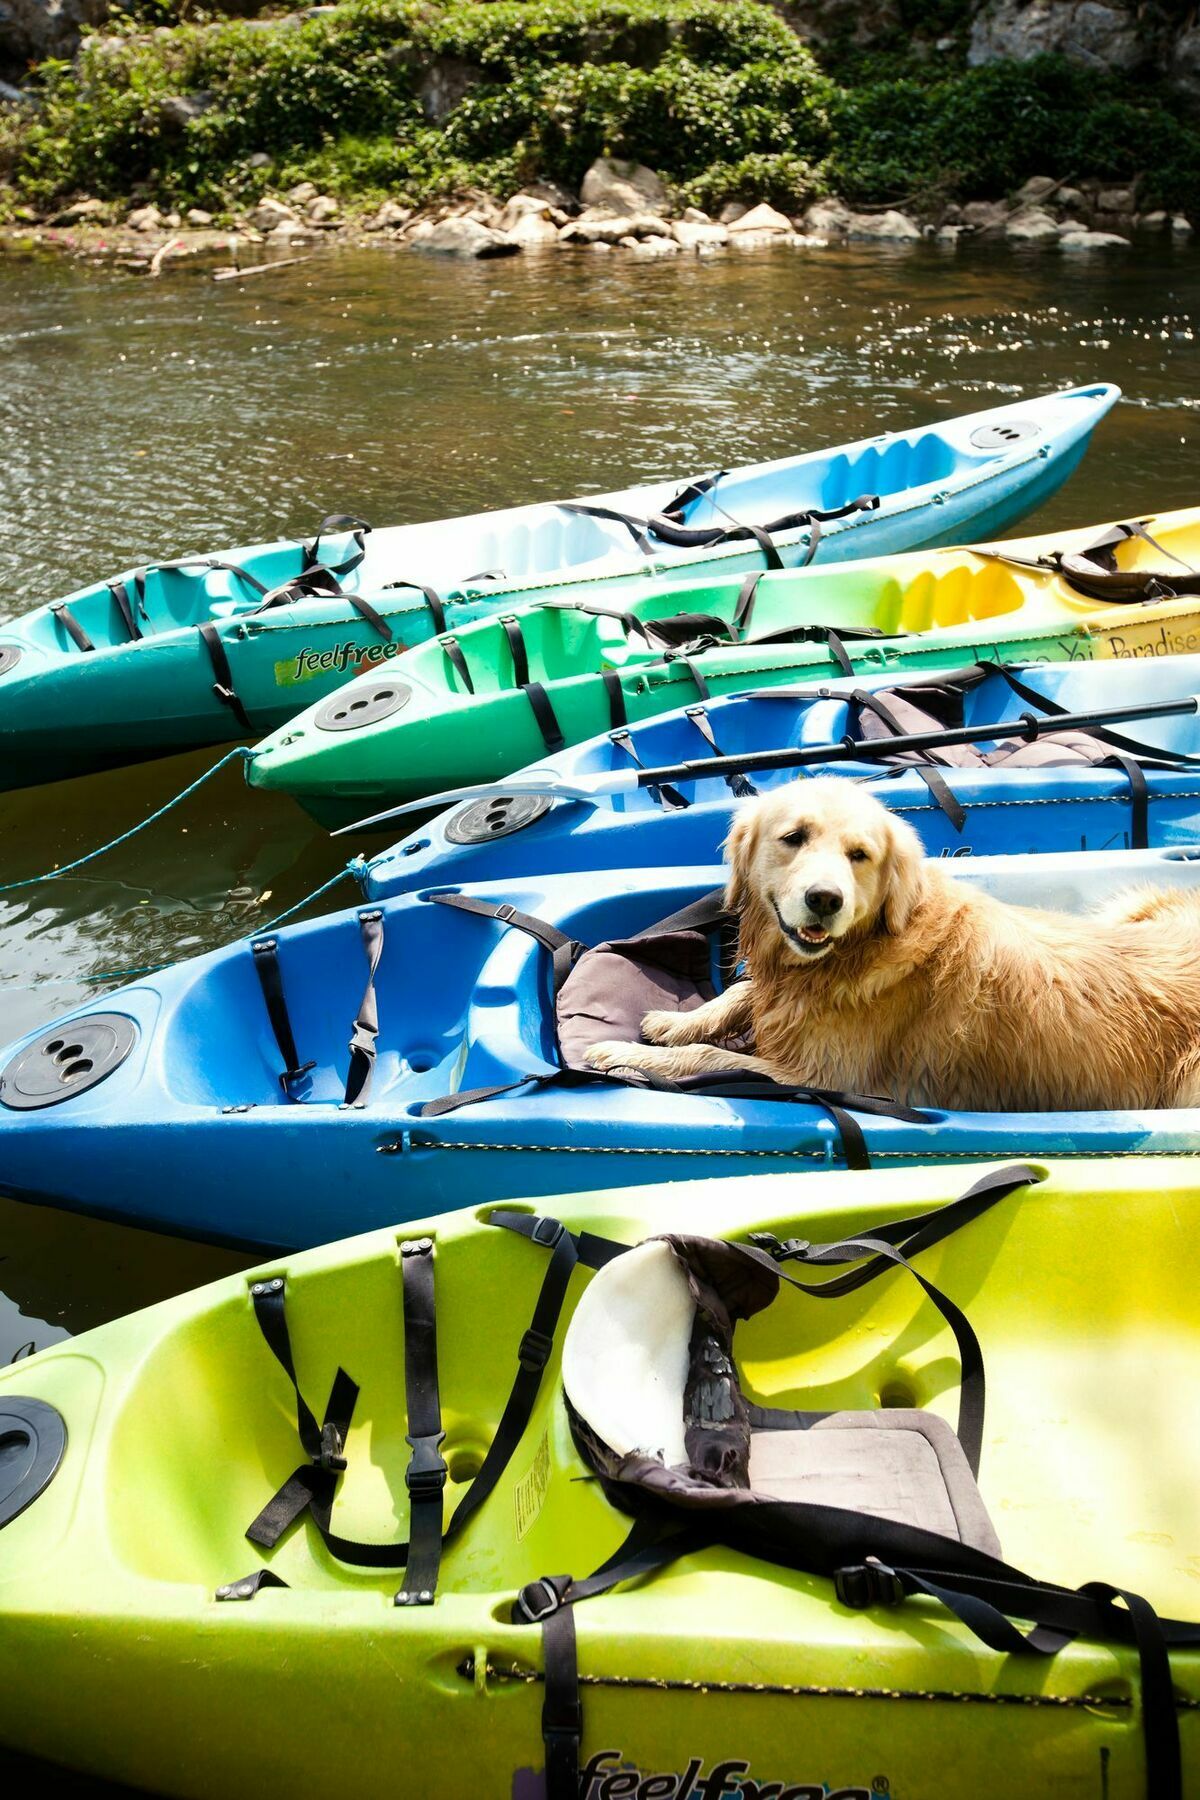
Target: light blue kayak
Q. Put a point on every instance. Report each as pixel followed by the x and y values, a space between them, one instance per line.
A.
pixel 204 649
pixel 218 1099
pixel 584 808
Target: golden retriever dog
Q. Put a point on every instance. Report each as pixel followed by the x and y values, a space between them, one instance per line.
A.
pixel 873 971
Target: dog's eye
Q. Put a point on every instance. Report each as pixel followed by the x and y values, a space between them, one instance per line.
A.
pixel 858 855
pixel 795 838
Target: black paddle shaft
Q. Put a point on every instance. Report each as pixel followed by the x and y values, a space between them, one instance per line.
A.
pixel 1026 725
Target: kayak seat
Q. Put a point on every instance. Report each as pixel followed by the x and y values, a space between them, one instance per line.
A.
pixel 647 1375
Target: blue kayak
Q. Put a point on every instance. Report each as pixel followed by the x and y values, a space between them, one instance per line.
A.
pixel 219 1100
pixel 206 648
pixel 581 810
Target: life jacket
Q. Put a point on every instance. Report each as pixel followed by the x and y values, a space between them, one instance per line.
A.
pixel 884 1504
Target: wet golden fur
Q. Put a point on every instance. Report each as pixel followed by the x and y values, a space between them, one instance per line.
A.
pixel 931 991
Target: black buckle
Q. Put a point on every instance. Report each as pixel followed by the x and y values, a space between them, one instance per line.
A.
pixel 425 1475
pixel 332 1445
pixel 534 1351
pixel 548 1232
pixel 290 1075
pixel 505 913
pixel 537 1600
pixel 868 1584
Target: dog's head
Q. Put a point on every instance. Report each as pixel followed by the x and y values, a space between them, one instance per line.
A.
pixel 820 862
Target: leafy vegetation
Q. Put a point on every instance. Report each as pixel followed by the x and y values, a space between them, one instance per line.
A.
pixel 418 99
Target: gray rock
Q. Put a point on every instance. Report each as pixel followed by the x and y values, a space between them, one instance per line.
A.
pixel 555 193
pixel 144 218
pixel 950 234
pixel 445 84
pixel 1180 226
pixel 524 206
pixel 626 187
pixel 270 214
pixel 323 210
pixel 890 226
pixel 178 110
pixel 692 215
pixel 390 217
pixel 1104 36
pixel 196 215
pixel 1032 225
pixel 80 213
pixel 1153 221
pixel 1183 70
pixel 260 159
pixel 461 236
pixel 691 234
pixel 732 211
pixel 302 193
pixel 9 95
pixel 1035 189
pixel 829 218
pixel 1071 199
pixel 651 246
pixel 534 231
pixel 599 225
pixel 1092 240
pixel 761 218
pixel 985 215
pixel 1116 200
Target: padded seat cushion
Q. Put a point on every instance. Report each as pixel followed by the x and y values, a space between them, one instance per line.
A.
pixel 902 1465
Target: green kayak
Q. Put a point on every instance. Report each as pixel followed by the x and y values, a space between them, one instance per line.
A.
pixel 212 1587
pixel 475 704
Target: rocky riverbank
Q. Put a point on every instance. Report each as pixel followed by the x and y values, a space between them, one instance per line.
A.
pixel 622 206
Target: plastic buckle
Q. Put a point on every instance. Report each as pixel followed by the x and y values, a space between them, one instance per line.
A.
pixel 868 1584
pixel 530 1611
pixel 534 1351
pixel 425 1475
pixel 331 1457
pixel 548 1232
pixel 505 913
pixel 290 1075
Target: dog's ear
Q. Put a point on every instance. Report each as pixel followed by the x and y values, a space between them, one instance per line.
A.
pixel 739 848
pixel 904 876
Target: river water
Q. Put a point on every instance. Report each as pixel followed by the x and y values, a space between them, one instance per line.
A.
pixel 147 418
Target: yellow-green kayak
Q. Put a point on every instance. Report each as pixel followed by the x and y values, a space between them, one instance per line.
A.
pixel 145 1637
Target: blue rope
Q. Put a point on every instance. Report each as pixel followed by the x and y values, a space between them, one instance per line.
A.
pixel 240 754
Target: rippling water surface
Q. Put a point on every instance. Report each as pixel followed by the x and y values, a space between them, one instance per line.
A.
pixel 141 419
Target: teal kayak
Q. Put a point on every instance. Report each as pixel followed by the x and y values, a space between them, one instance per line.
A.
pixel 205 649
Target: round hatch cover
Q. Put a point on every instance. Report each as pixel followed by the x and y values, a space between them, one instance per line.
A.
pixel 10 656
pixel 362 706
pixel 32 1440
pixel 66 1060
pixel 999 437
pixel 499 817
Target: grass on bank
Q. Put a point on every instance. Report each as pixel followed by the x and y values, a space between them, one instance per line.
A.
pixel 719 96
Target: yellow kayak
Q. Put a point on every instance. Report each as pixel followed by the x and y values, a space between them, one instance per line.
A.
pixel 188 1600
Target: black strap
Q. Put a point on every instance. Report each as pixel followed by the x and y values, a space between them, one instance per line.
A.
pixel 223 686
pixel 1093 571
pixel 188 565
pixel 666 796
pixel 366 1024
pixel 549 936
pixel 937 784
pixel 126 607
pixel 458 662
pixel 615 695
pixel 265 953
pixel 433 601
pixel 246 1586
pixel 739 785
pixel 71 625
pixel 743 609
pixel 1139 799
pixel 535 693
pixel 693 491
pixel 1151 754
pixel 425 1477
pixel 669 531
pixel 358 529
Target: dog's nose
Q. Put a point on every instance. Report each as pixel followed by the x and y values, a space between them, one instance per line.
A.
pixel 823 901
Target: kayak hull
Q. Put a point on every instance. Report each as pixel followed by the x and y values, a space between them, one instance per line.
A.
pixel 193 1131
pixel 1010 811
pixel 428 728
pixel 67 711
pixel 179 1426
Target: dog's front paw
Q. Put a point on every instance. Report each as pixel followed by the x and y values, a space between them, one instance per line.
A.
pixel 611 1055
pixel 665 1028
